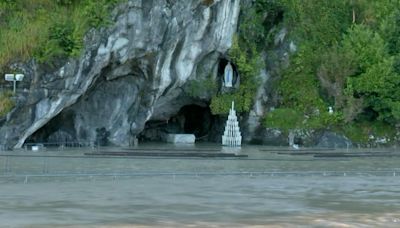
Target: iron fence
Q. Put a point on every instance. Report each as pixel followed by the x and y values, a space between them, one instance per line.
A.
pixel 22 167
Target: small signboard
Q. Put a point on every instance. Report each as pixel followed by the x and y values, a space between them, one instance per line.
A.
pixel 9 77
pixel 19 77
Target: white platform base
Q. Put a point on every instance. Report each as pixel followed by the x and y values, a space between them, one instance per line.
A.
pixel 181 138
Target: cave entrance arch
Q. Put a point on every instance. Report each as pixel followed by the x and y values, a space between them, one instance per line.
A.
pixel 190 119
pixel 58 131
pixel 196 120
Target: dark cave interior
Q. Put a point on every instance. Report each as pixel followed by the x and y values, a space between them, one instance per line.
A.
pixel 191 119
pixel 58 131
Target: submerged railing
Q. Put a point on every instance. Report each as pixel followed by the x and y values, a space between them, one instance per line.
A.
pixel 26 178
pixel 26 168
pixel 59 145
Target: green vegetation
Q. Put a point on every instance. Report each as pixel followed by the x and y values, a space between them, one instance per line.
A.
pixel 6 103
pixel 196 88
pixel 245 53
pixel 348 57
pixel 360 132
pixel 44 29
pixel 289 118
pixel 208 2
pixel 248 64
pixel 284 119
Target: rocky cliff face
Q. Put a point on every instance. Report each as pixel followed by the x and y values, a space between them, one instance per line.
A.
pixel 129 73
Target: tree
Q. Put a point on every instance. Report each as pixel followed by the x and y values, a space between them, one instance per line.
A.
pixel 375 82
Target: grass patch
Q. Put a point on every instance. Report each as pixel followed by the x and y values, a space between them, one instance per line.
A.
pixel 6 103
pixel 43 29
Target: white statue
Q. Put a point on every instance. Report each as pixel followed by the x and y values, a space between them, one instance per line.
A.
pixel 232 136
pixel 330 110
pixel 228 75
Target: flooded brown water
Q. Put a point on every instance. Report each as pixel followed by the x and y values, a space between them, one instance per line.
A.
pixel 267 189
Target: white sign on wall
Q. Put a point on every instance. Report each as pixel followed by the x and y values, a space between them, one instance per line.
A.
pixel 9 77
pixel 14 78
pixel 19 77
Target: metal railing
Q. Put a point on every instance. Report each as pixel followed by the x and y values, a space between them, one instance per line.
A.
pixel 60 145
pixel 22 167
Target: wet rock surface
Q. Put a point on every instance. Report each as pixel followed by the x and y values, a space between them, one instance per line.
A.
pixel 129 73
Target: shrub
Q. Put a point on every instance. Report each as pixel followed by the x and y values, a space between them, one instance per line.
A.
pixel 97 13
pixel 284 119
pixel 62 34
pixel 360 132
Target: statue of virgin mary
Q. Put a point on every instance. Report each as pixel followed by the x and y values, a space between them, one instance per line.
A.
pixel 228 75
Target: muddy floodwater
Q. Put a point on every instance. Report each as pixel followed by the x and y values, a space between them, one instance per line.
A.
pixel 276 187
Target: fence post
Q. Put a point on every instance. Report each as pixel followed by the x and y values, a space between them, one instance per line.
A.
pixel 45 165
pixel 7 168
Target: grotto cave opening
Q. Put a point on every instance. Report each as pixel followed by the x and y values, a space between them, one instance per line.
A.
pixel 58 131
pixel 191 119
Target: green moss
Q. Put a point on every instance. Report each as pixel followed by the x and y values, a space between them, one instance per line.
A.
pixel 196 88
pixel 6 103
pixel 220 104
